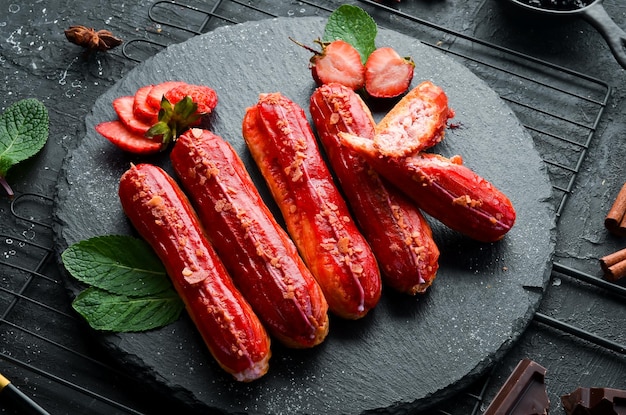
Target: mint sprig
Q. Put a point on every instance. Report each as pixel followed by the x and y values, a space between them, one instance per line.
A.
pixel 128 288
pixel 23 132
pixel 118 313
pixel 353 25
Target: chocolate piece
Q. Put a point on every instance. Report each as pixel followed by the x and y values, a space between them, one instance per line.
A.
pixel 523 393
pixel 595 401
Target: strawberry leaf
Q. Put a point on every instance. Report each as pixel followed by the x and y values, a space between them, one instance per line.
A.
pixel 161 128
pixel 185 108
pixel 353 25
pixel 174 120
pixel 23 132
pixel 110 312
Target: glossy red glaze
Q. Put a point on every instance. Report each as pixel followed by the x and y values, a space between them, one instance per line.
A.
pixel 397 231
pixel 163 216
pixel 283 145
pixel 258 253
pixel 445 189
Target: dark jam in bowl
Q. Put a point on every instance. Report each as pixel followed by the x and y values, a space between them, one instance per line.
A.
pixel 561 5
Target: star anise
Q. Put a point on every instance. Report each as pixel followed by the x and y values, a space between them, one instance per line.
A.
pixel 91 39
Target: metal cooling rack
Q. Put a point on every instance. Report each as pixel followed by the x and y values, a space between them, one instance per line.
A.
pixel 45 344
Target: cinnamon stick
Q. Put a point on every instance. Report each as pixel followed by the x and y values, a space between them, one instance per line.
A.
pixel 614 265
pixel 615 221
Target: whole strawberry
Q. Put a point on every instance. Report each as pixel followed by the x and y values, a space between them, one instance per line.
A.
pixel 387 74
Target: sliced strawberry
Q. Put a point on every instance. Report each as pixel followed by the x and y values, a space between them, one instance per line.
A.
pixel 156 93
pixel 338 62
pixel 117 133
pixel 141 109
pixel 124 108
pixel 204 97
pixel 387 74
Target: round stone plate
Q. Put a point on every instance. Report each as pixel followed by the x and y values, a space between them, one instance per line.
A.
pixel 410 352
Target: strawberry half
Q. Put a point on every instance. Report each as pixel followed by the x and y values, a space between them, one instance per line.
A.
pixel 387 74
pixel 156 93
pixel 117 133
pixel 123 107
pixel 141 109
pixel 338 62
pixel 203 96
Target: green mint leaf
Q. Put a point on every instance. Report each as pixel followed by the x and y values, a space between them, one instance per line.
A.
pixel 23 132
pixel 128 290
pixel 353 25
pixel 109 312
pixel 122 265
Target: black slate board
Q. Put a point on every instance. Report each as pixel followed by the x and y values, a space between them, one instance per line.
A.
pixel 409 353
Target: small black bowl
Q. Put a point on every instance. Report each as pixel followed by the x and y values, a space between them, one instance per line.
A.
pixel 594 13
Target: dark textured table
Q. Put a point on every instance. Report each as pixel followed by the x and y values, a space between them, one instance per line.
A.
pixel 48 353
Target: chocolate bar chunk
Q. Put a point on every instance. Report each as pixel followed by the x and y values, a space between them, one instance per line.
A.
pixel 523 393
pixel 595 401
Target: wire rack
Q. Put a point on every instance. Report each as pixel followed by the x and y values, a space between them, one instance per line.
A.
pixel 31 292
